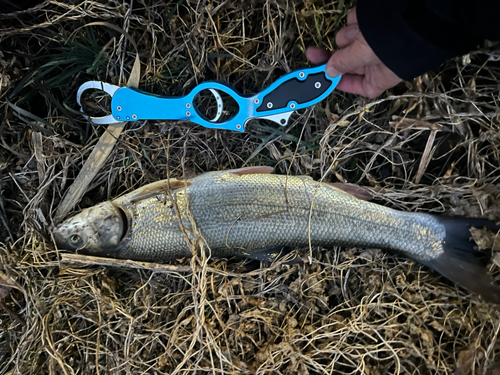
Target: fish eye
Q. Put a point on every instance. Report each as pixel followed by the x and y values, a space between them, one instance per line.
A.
pixel 75 240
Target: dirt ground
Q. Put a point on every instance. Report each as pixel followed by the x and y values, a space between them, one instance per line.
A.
pixel 431 145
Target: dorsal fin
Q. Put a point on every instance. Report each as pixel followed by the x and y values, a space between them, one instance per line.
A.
pixel 153 189
pixel 252 170
pixel 354 190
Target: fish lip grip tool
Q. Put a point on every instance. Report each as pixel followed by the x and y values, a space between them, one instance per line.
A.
pixel 291 92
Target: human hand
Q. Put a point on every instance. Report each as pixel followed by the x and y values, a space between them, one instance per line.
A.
pixel 362 71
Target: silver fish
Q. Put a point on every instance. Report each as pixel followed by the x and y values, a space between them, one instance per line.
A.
pixel 244 212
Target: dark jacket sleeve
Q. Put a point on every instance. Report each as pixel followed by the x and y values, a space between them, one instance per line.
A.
pixel 412 37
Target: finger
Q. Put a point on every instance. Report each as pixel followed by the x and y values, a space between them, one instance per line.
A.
pixel 318 55
pixel 351 16
pixel 356 84
pixel 346 35
pixel 349 59
pixel 360 71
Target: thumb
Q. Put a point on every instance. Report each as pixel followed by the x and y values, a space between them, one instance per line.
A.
pixel 349 59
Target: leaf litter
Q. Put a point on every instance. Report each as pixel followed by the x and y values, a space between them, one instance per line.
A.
pixel 431 145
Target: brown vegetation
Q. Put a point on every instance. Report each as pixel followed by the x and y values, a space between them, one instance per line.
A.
pixel 432 145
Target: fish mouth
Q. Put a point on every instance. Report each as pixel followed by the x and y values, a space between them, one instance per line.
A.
pixel 58 235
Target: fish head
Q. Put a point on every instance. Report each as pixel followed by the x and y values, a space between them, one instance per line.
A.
pixel 97 230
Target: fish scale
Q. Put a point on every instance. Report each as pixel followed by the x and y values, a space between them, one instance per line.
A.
pixel 241 214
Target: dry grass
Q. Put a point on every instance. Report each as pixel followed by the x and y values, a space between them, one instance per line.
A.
pixel 432 145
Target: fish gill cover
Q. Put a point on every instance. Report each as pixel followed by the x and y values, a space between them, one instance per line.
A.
pixel 431 145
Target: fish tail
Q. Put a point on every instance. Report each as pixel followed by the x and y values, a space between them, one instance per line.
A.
pixel 460 260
